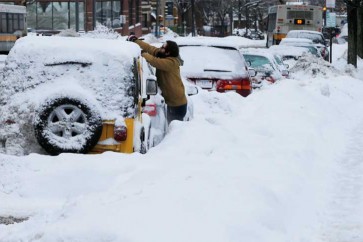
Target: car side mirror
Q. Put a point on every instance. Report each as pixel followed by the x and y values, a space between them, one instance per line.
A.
pixel 151 86
pixel 191 90
pixel 252 72
pixel 248 63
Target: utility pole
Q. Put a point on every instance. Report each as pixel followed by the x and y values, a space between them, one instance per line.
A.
pixel 247 19
pixel 193 18
pixel 239 14
pixel 352 6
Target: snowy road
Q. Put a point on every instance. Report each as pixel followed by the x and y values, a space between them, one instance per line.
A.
pixel 343 219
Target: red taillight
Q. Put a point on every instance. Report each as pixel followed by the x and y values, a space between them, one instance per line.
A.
pixel 270 79
pixel 120 133
pixel 150 109
pixel 225 85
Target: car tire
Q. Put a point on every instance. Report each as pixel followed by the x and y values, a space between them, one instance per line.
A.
pixel 67 125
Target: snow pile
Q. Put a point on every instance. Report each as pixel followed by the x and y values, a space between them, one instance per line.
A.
pixel 315 67
pixel 283 164
pixel 102 32
pixel 252 169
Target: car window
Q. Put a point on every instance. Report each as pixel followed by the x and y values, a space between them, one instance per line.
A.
pixel 259 62
pixel 278 60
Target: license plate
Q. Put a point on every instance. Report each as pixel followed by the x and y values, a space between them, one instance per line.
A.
pixel 205 83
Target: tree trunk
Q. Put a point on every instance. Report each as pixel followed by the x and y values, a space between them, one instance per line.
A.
pixel 360 32
pixel 352 35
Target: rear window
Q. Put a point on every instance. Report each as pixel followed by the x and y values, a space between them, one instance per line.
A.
pixel 208 59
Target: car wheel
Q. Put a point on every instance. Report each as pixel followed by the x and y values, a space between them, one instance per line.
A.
pixel 67 125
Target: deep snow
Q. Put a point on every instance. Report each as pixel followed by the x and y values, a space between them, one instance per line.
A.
pixel 283 164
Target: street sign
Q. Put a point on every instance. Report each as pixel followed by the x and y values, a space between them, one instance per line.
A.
pixel 331 19
pixel 330 3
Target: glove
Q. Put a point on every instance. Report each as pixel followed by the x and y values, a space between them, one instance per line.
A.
pixel 131 38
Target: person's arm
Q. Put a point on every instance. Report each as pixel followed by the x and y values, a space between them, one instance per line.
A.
pixel 152 50
pixel 164 64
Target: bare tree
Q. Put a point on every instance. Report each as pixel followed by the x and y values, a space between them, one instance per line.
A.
pixel 355 41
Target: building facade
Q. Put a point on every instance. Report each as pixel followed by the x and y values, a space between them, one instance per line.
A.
pixel 124 16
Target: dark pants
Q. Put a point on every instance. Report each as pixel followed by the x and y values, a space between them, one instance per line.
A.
pixel 176 113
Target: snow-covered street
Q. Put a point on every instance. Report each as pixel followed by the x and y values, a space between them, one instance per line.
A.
pixel 283 164
pixel 343 216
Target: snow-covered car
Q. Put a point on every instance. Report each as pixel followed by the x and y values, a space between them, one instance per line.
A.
pixel 265 66
pixel 283 67
pixel 316 37
pixel 78 95
pixel 214 64
pixel 289 52
pixel 304 43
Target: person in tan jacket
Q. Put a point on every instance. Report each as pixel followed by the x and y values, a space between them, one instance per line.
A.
pixel 167 62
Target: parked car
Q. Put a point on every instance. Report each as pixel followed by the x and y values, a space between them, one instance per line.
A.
pixel 342 37
pixel 214 64
pixel 77 95
pixel 316 37
pixel 301 42
pixel 289 54
pixel 283 67
pixel 265 66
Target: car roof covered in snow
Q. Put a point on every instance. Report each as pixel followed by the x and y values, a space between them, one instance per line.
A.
pixel 304 31
pixel 296 40
pixel 56 49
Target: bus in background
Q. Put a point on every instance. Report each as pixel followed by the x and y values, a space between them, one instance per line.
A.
pixel 12 25
pixel 283 18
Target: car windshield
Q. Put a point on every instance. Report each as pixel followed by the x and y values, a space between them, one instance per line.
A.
pixel 259 62
pixel 212 61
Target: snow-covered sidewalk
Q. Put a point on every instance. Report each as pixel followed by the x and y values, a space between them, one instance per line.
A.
pixel 342 219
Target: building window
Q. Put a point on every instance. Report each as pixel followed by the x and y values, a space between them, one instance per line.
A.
pixel 56 15
pixel 108 13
